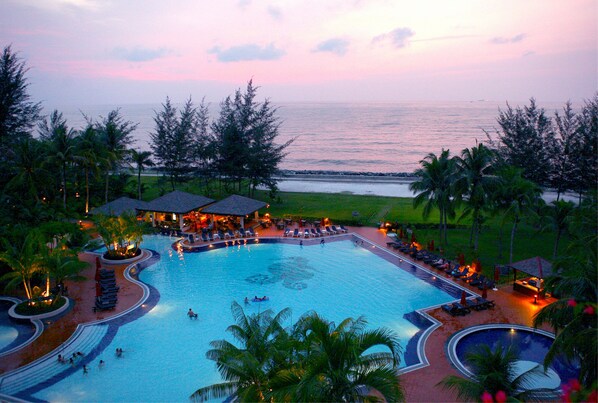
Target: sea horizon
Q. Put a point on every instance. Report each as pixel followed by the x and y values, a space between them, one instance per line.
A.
pixel 347 137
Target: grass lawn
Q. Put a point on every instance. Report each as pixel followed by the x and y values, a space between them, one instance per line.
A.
pixel 341 208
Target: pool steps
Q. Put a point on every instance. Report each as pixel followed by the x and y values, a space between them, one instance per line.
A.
pixel 39 372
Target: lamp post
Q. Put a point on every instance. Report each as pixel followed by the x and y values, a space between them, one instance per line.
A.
pixel 535 299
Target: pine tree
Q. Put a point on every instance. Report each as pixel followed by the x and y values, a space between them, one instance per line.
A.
pixel 18 115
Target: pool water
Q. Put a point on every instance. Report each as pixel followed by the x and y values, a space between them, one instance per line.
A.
pixel 12 334
pixel 164 351
pixel 531 346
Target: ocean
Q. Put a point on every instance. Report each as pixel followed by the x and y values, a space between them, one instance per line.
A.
pixel 350 137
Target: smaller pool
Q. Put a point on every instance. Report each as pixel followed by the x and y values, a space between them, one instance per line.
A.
pixel 13 334
pixel 532 346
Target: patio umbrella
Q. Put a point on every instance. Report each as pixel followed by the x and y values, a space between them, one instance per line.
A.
pixel 97 277
pixel 461 259
pixel 98 289
pixel 463 298
pixel 478 266
pixel 432 245
pixel 484 293
pixel 401 235
pixel 413 240
pixel 98 264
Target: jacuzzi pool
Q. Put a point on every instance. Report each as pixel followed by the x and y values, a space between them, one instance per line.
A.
pixel 531 344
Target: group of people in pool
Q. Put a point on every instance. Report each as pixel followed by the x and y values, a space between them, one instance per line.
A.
pixel 76 356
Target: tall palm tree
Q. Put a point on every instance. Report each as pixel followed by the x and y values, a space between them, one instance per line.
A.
pixel 336 365
pixel 576 283
pixel 24 258
pixel 246 369
pixel 559 216
pixel 115 134
pixel 515 197
pixel 141 159
pixel 90 153
pixel 473 185
pixel 61 150
pixel 60 264
pixel 435 186
pixel 493 371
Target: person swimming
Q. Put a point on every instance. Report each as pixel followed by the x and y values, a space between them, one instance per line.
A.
pixel 246 301
pixel 191 314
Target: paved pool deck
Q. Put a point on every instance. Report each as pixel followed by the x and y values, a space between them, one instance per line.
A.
pixel 419 385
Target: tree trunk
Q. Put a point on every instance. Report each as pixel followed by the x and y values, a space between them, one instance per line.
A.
pixel 500 245
pixel 86 190
pixel 107 181
pixel 513 239
pixel 446 227
pixel 139 183
pixel 440 238
pixel 64 187
pixel 556 244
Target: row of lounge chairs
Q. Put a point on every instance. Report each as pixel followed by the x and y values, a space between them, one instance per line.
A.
pixel 315 232
pixel 108 297
pixel 208 236
pixel 477 304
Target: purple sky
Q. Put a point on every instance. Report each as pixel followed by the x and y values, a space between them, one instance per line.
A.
pixel 84 52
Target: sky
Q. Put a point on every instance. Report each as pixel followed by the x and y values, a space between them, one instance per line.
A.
pixel 91 52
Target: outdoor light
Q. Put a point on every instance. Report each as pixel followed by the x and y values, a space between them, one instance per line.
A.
pixel 535 298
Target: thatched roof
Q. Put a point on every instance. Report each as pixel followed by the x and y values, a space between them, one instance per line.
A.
pixel 119 206
pixel 235 205
pixel 535 266
pixel 177 202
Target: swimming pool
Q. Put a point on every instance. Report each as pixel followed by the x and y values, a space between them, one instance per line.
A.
pixel 532 345
pixel 164 358
pixel 15 334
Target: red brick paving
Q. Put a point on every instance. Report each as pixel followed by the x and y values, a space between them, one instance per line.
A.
pixel 419 385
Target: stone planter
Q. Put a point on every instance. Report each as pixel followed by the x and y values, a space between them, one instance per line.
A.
pixel 13 314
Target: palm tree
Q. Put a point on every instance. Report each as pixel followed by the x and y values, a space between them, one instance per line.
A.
pixel 115 135
pixel 493 371
pixel 435 187
pixel 141 159
pixel 24 258
pixel 30 173
pixel 559 216
pixel 473 184
pixel 336 365
pixel 575 281
pixel 248 368
pixel 515 197
pixel 60 264
pixel 89 154
pixel 61 150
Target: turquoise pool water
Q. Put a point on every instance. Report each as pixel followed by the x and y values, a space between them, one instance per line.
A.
pixel 164 358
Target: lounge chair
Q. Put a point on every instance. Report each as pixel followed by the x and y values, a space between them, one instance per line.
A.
pixel 481 279
pixel 488 284
pixel 461 273
pixel 296 233
pixel 455 309
pixel 216 235
pixel 461 309
pixel 306 233
pixel 287 232
pixel 329 230
pixel 221 235
pixel 314 233
pixel 342 228
pixel 471 278
pixel 242 232
pixel 251 232
pixel 338 231
pixel 210 236
pixel 485 302
pixel 204 237
pixel 319 232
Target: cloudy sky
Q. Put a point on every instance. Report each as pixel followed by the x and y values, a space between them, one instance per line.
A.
pixel 117 52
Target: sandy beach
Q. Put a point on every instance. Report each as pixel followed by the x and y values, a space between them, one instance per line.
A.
pixel 366 185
